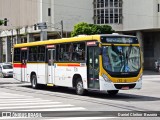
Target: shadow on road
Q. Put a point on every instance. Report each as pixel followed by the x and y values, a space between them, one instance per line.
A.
pixel 149 72
pixel 119 97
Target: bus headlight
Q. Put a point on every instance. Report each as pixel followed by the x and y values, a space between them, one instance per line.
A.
pixel 140 78
pixel 106 78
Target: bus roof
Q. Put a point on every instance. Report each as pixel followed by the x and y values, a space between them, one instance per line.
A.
pixel 66 40
pixel 61 40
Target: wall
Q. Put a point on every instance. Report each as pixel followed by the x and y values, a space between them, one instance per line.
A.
pixel 139 14
pixel 151 49
pixel 72 12
pixel 19 12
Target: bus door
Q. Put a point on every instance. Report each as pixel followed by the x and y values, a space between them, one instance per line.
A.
pixel 93 67
pixel 23 64
pixel 51 71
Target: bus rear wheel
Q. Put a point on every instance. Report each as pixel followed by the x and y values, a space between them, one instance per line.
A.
pixel 34 81
pixel 112 92
pixel 79 87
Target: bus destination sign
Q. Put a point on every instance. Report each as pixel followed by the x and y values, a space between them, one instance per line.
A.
pixel 119 40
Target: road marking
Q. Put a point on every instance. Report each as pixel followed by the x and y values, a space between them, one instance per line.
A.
pixel 23 101
pixel 57 118
pixel 24 107
pixel 35 103
pixel 57 109
pixel 82 118
pixel 16 102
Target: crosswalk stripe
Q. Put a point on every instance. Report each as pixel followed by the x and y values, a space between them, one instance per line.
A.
pixel 25 101
pixel 8 97
pixel 24 107
pixel 151 78
pixel 57 109
pixel 82 118
pixel 68 118
pixel 10 100
pixel 36 103
pixel 16 102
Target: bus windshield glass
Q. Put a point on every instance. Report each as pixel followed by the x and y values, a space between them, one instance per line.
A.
pixel 123 59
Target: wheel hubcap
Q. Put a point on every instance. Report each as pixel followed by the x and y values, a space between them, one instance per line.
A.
pixel 79 87
pixel 33 82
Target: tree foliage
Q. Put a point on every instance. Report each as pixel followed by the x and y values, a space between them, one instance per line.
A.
pixel 90 29
pixel 1 22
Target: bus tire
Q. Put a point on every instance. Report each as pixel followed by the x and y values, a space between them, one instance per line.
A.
pixel 79 87
pixel 34 82
pixel 112 92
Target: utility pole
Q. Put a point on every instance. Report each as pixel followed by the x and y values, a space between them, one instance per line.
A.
pixel 43 34
pixel 62 28
pixel 1 49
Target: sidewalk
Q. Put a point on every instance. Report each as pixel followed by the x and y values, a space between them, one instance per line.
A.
pixel 150 72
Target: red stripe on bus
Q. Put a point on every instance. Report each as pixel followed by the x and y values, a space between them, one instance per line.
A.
pixel 19 66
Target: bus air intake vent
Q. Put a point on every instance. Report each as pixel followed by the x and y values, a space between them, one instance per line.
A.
pixel 120 86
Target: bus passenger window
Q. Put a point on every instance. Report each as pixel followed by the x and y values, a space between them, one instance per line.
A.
pixel 41 53
pixel 78 52
pixel 70 51
pixel 33 54
pixel 64 54
pixel 17 55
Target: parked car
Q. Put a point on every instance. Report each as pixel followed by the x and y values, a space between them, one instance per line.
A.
pixel 6 70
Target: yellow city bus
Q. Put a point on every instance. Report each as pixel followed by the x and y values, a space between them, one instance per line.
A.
pixel 107 62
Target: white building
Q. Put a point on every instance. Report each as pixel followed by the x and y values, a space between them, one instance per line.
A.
pixel 135 17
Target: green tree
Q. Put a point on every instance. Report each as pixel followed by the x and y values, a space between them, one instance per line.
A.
pixel 1 22
pixel 90 29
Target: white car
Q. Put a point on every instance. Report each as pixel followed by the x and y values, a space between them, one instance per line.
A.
pixel 6 70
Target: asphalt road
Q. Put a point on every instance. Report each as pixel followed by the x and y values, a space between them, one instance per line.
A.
pixel 20 97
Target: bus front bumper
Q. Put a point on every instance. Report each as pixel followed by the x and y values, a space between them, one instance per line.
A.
pixel 108 85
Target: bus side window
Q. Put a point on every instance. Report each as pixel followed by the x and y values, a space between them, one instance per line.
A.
pixel 64 54
pixel 79 52
pixel 33 54
pixel 41 53
pixel 70 51
pixel 17 55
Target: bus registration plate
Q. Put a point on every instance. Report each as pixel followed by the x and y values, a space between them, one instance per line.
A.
pixel 125 88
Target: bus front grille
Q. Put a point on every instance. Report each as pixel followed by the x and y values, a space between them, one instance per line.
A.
pixel 121 86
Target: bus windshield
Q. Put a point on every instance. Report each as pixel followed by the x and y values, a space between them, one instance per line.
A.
pixel 123 59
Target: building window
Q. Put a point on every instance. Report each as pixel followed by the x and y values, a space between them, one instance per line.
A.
pixel 158 8
pixel 108 11
pixel 49 11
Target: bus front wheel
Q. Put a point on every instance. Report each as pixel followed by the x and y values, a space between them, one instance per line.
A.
pixel 79 87
pixel 112 92
pixel 34 81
